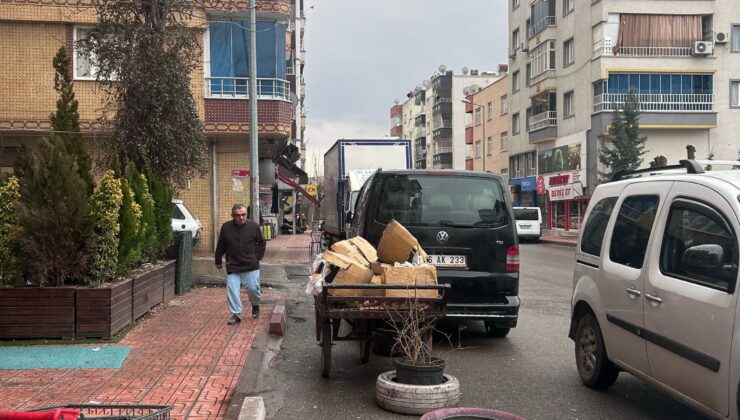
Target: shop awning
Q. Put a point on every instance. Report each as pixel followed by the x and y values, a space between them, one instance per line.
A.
pixel 298 188
pixel 290 170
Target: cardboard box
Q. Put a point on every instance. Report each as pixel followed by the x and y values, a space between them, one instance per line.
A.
pixel 397 244
pixel 367 250
pixel 376 267
pixel 416 275
pixel 358 249
pixel 350 272
pixel 377 279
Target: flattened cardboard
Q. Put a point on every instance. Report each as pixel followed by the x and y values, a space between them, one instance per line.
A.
pixel 396 244
pixel 377 279
pixel 350 272
pixel 377 267
pixel 367 250
pixel 349 250
pixel 416 275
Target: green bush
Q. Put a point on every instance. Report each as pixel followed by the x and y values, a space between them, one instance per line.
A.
pixel 162 211
pixel 105 205
pixel 148 225
pixel 129 243
pixel 9 232
pixel 53 213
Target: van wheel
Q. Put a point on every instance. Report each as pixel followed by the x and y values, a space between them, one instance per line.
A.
pixel 494 331
pixel 594 366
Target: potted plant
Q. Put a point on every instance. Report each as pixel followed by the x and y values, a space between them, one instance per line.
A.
pixel 419 384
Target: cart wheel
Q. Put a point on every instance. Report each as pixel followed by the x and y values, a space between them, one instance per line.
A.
pixel 326 336
pixel 366 341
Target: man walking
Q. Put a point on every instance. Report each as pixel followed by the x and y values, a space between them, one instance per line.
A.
pixel 242 241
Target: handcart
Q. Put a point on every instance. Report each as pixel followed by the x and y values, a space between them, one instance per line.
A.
pixel 360 312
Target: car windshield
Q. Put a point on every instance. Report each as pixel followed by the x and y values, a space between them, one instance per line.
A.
pixel 447 200
pixel 177 213
pixel 526 214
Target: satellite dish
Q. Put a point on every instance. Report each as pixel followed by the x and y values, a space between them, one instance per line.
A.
pixel 396 101
pixel 466 91
pixel 419 87
pixel 465 70
pixel 427 83
pixel 442 69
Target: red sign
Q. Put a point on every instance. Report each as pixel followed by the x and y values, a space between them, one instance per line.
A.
pixel 540 184
pixel 240 173
pixel 559 180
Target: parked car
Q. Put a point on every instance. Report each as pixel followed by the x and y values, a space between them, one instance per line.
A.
pixel 464 221
pixel 528 222
pixel 183 219
pixel 655 286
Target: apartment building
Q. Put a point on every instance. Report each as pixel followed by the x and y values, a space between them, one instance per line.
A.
pixel 437 111
pixel 572 64
pixel 487 130
pixel 31 32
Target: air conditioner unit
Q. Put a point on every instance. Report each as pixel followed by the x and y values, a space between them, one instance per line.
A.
pixel 702 48
pixel 721 38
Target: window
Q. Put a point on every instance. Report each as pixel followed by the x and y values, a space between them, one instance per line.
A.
pixel 504 104
pixel 489 145
pixel 514 4
pixel 8 156
pixel 478 149
pixel 736 38
pixel 528 118
pixel 177 213
pixel 632 230
pixel 505 140
pixel 734 93
pixel 490 111
pixel 515 124
pixel 568 104
pixel 699 246
pixel 515 81
pixel 568 6
pixel 477 116
pixel 83 70
pixel 515 39
pixel 660 83
pixel 568 53
pixel 593 233
pixel 543 59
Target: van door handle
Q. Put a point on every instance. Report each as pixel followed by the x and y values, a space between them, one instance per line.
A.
pixel 634 293
pixel 653 298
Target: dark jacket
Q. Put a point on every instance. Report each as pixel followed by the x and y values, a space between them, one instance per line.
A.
pixel 243 245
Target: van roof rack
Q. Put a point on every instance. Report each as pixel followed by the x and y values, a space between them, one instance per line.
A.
pixel 691 166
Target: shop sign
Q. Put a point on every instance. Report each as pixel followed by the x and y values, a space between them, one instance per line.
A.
pixel 312 189
pixel 525 184
pixel 559 180
pixel 541 185
pixel 565 192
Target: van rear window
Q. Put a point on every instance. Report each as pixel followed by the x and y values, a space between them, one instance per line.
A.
pixel 526 214
pixel 442 200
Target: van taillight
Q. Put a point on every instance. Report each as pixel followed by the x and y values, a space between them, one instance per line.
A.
pixel 512 259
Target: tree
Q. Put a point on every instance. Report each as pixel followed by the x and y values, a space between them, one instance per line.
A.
pixel 105 205
pixel 625 146
pixel 147 48
pixel 162 210
pixel 66 120
pixel 129 242
pixel 53 213
pixel 9 231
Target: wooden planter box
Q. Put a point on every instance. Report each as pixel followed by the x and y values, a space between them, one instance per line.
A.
pixel 101 313
pixel 68 312
pixel 37 312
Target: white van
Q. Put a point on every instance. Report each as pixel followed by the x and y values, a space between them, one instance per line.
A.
pixel 528 222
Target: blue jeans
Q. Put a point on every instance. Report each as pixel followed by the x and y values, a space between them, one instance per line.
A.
pixel 250 280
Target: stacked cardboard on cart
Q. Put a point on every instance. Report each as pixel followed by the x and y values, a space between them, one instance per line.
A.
pixel 359 263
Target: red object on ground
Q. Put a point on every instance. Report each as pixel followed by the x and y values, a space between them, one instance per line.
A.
pixel 58 414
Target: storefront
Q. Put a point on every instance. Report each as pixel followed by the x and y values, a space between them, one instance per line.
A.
pixel 523 191
pixel 566 203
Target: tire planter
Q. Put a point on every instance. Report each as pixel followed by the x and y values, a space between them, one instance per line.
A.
pixel 469 412
pixel 419 375
pixel 415 399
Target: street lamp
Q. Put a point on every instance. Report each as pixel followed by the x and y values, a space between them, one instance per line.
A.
pixel 483 123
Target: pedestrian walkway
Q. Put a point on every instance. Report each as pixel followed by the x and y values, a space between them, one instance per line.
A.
pixel 288 249
pixel 183 355
pixel 559 238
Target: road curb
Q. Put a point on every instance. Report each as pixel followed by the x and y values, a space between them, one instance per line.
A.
pixel 277 320
pixel 558 242
pixel 253 408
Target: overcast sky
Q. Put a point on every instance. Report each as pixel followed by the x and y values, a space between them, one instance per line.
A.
pixel 361 55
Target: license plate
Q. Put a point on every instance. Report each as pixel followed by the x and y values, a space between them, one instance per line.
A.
pixel 448 261
pixel 525 226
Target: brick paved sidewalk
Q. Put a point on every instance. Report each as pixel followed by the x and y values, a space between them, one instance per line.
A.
pixel 288 249
pixel 183 355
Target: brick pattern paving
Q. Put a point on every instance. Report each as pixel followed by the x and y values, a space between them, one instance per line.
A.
pixel 183 355
pixel 288 249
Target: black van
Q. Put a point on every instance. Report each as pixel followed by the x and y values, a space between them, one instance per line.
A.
pixel 465 222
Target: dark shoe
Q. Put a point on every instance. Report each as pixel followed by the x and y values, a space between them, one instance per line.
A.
pixel 234 320
pixel 255 311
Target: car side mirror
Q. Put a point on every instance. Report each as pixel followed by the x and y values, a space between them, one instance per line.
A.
pixel 702 257
pixel 348 217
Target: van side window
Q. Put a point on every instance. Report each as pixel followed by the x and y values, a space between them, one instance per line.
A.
pixel 593 233
pixel 699 246
pixel 632 230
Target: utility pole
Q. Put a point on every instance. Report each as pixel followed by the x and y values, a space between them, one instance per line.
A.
pixel 254 176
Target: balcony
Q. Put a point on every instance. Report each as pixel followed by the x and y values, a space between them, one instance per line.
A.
pixel 420 120
pixel 442 160
pixel 421 133
pixel 543 126
pixel 442 133
pixel 238 88
pixel 469 135
pixel 545 75
pixel 646 51
pixel 469 164
pixel 659 102
pixel 396 131
pixel 540 26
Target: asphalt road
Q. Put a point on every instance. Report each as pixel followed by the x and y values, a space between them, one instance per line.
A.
pixel 531 372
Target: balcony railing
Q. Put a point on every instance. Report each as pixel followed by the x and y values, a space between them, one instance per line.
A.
pixel 543 120
pixel 238 88
pixel 647 51
pixel 540 26
pixel 442 150
pixel 657 102
pixel 547 74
